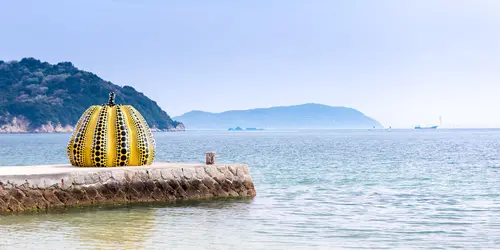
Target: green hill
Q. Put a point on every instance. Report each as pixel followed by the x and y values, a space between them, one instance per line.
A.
pixel 37 96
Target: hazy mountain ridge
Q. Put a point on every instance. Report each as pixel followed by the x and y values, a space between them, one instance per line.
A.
pixel 303 116
pixel 37 96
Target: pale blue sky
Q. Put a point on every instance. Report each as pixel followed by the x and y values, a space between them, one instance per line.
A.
pixel 400 62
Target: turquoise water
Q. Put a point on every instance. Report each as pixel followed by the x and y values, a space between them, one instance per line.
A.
pixel 315 190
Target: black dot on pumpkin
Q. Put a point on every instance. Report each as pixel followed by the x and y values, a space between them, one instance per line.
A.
pixel 124 144
pixel 122 163
pixel 124 151
pixel 122 127
pixel 97 148
pixel 123 138
pixel 74 151
pixel 97 159
pixel 97 164
pixel 97 153
pixel 123 158
pixel 123 133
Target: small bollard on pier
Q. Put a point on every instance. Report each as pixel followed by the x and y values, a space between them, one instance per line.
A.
pixel 210 158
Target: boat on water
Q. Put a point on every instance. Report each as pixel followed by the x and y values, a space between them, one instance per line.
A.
pixel 247 129
pixel 431 127
pixel 254 129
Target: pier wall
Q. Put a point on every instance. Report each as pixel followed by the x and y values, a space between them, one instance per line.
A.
pixel 32 188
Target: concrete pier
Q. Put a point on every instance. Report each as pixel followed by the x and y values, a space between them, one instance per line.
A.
pixel 31 188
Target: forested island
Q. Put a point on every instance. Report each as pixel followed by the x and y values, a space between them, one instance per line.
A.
pixel 37 96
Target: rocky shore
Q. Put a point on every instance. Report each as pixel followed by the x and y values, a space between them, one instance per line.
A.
pixel 22 125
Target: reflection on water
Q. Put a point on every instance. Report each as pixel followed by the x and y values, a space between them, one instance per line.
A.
pixel 122 228
pixel 108 227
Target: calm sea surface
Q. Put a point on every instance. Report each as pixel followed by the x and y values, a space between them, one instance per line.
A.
pixel 315 190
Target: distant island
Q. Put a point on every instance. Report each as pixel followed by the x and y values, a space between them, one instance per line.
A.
pixel 37 96
pixel 305 116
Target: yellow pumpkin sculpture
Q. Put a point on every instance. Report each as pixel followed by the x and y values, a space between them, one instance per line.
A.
pixel 111 135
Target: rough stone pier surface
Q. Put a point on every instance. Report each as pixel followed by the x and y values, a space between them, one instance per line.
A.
pixel 31 188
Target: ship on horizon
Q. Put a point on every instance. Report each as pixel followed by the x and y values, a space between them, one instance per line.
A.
pixel 247 129
pixel 430 127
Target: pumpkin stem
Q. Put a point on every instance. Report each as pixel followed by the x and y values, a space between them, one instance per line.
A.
pixel 111 101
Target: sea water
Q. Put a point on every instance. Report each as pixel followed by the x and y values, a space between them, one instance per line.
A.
pixel 322 189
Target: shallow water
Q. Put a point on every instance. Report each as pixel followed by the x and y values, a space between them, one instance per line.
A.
pixel 315 190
